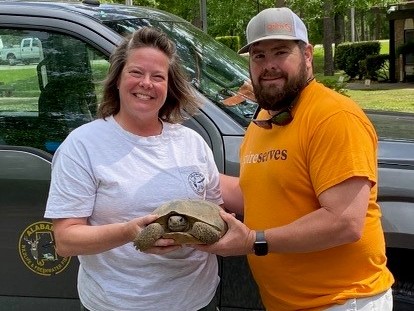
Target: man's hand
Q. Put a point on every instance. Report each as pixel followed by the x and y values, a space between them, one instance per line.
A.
pixel 238 239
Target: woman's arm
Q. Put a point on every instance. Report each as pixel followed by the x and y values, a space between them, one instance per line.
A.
pixel 232 195
pixel 74 236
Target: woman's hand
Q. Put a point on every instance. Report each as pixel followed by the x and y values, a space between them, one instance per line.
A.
pixel 162 246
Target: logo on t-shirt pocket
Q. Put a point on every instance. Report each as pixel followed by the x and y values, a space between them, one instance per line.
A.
pixel 197 182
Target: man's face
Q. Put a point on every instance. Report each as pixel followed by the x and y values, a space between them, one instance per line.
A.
pixel 279 69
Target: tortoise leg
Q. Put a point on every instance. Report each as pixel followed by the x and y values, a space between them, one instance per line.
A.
pixel 205 233
pixel 147 237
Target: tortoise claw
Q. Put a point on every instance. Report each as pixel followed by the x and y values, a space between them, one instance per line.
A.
pixel 205 233
pixel 147 237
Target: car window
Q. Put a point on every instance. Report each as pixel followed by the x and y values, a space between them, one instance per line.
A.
pixel 49 90
pixel 216 71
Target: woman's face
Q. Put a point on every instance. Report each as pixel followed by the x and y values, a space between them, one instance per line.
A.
pixel 143 83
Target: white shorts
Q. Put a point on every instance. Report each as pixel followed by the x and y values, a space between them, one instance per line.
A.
pixel 380 302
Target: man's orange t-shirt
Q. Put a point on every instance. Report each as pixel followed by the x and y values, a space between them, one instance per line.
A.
pixel 283 171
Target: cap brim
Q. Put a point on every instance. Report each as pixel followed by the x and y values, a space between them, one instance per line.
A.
pixel 246 48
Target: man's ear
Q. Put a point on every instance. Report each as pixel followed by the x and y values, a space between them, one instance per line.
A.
pixel 309 55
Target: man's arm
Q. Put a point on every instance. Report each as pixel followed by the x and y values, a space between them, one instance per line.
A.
pixel 340 220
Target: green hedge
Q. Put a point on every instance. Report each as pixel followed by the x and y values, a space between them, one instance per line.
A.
pixel 349 55
pixel 375 67
pixel 232 42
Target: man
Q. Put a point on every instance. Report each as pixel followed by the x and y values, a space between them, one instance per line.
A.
pixel 308 183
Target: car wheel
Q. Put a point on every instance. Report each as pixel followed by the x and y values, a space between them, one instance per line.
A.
pixel 11 59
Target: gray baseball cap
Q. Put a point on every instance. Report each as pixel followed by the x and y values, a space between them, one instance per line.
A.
pixel 275 23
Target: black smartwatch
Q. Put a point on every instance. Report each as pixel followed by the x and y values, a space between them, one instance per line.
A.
pixel 260 245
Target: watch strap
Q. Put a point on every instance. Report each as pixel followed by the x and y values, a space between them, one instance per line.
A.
pixel 260 236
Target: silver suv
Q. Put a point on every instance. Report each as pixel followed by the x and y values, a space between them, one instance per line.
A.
pixel 41 102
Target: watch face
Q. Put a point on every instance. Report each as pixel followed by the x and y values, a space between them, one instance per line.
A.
pixel 260 248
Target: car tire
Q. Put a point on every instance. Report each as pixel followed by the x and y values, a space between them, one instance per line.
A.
pixel 11 59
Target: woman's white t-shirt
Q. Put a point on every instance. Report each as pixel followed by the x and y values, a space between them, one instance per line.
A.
pixel 110 175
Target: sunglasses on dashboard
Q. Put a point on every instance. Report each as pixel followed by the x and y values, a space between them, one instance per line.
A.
pixel 282 118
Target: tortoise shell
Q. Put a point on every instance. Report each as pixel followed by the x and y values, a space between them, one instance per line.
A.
pixel 186 221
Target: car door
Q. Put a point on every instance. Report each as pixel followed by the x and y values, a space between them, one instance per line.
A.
pixel 48 100
pixel 30 267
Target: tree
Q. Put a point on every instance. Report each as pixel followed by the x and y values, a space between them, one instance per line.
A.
pixel 327 20
pixel 328 37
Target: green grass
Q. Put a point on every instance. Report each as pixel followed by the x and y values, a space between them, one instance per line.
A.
pixel 385 47
pixel 18 74
pixel 387 99
pixel 23 80
pixel 318 56
pixel 24 104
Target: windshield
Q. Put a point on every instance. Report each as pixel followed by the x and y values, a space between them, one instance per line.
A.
pixel 218 72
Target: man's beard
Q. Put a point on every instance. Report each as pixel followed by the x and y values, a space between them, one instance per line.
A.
pixel 273 97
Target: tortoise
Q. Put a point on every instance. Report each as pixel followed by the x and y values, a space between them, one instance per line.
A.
pixel 190 221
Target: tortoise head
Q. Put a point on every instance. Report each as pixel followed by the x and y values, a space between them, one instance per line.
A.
pixel 178 223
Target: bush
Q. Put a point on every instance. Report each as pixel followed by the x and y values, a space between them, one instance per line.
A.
pixel 374 67
pixel 341 53
pixel 335 85
pixel 406 48
pixel 348 56
pixel 232 42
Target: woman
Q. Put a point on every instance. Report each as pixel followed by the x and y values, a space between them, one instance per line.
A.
pixel 110 174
